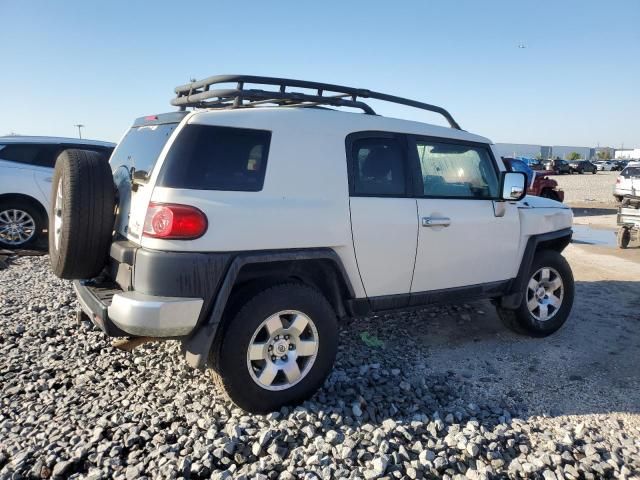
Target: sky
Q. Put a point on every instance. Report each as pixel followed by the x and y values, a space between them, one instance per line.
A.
pixel 104 63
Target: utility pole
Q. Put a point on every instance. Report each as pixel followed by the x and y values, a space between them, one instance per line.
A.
pixel 79 125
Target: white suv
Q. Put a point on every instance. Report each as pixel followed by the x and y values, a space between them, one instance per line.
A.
pixel 248 230
pixel 628 182
pixel 26 171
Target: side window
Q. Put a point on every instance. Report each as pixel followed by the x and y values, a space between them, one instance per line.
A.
pixel 217 158
pixel 457 171
pixel 24 153
pixel 378 167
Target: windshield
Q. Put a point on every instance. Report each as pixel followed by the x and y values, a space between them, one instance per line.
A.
pixel 141 147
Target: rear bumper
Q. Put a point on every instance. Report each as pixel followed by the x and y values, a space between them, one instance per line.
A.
pixel 120 313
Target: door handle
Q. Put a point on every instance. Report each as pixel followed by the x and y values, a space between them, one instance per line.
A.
pixel 436 221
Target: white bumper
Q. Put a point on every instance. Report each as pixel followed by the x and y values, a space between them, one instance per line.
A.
pixel 148 315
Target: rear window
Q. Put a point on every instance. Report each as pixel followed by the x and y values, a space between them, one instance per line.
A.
pixel 205 157
pixel 141 146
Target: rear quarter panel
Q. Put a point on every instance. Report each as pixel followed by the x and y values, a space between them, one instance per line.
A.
pixel 304 202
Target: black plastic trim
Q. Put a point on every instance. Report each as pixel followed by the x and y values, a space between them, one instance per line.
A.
pixel 363 306
pixel 513 296
pixel 198 346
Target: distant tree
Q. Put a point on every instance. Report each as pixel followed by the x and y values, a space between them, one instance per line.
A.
pixel 539 156
pixel 573 156
pixel 604 155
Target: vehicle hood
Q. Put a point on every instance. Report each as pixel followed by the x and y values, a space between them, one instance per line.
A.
pixel 531 201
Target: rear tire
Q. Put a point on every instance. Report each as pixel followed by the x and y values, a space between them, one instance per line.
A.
pixel 82 214
pixel 618 198
pixel 265 359
pixel 623 237
pixel 21 223
pixel 547 295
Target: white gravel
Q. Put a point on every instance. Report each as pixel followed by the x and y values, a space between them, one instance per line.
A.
pixel 448 394
pixel 587 187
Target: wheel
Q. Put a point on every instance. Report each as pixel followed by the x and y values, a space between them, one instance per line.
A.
pixel 623 237
pixel 581 171
pixel 21 223
pixel 82 218
pixel 618 198
pixel 277 349
pixel 594 171
pixel 547 297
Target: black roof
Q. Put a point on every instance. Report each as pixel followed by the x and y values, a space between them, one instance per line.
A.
pixel 199 94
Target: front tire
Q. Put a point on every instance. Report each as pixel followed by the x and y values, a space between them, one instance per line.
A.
pixel 547 297
pixel 277 349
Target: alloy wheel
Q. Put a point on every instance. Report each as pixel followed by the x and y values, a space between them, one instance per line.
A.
pixel 282 350
pixel 17 227
pixel 545 292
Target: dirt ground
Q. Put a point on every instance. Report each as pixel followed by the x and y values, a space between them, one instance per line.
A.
pixel 591 366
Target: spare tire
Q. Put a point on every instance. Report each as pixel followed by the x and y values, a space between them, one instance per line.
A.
pixel 82 214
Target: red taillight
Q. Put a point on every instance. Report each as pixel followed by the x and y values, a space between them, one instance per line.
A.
pixel 170 221
pixel 618 180
pixel 151 117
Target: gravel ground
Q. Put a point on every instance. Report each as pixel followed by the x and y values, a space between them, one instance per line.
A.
pixel 443 392
pixel 588 188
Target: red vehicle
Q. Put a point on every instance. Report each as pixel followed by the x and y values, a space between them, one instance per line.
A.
pixel 542 185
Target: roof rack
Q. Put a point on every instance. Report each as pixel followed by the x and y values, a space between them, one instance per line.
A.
pixel 200 95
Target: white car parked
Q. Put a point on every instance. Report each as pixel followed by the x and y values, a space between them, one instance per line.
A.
pixel 248 230
pixel 26 171
pixel 628 182
pixel 605 166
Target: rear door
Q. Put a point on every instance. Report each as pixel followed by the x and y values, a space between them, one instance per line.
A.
pixel 383 214
pixel 465 237
pixel 139 150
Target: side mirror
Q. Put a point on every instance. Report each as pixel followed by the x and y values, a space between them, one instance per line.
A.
pixel 514 186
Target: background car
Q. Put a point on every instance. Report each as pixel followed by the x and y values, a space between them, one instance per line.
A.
pixel 539 184
pixel 628 182
pixel 605 166
pixel 582 166
pixel 558 166
pixel 620 165
pixel 26 170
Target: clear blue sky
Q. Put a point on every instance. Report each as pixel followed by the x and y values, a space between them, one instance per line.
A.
pixel 103 63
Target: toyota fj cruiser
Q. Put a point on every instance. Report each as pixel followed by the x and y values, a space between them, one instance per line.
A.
pixel 250 225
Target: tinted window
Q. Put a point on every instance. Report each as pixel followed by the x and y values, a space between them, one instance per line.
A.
pixel 24 153
pixel 141 147
pixel 627 172
pixel 217 158
pixel 450 170
pixel 378 167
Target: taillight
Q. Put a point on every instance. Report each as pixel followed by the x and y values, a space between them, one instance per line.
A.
pixel 618 180
pixel 171 221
